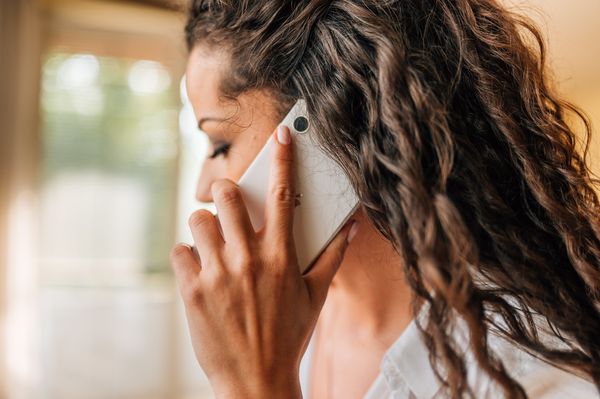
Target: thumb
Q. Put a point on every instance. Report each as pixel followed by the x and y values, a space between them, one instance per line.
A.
pixel 327 264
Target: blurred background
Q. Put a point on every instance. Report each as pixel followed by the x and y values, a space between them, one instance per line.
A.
pixel 98 159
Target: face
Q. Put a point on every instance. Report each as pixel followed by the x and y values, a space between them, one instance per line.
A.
pixel 237 130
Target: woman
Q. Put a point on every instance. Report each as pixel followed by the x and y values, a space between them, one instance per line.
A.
pixel 473 266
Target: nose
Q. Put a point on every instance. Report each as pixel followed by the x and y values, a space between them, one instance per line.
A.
pixel 203 195
pixel 208 175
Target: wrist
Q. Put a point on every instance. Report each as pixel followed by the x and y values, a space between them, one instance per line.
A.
pixel 275 388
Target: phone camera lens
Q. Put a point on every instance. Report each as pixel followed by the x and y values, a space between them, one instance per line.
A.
pixel 301 124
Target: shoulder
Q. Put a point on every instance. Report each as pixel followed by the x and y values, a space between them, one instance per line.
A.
pixel 406 367
pixel 540 379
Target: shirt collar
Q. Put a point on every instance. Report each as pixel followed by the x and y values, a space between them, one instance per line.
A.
pixel 408 359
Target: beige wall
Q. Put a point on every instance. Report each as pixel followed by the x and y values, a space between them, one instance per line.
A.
pixel 589 101
pixel 572 34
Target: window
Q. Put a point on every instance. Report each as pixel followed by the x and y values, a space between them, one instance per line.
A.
pixel 119 158
pixel 109 167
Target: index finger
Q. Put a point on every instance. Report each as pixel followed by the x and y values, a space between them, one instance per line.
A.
pixel 279 213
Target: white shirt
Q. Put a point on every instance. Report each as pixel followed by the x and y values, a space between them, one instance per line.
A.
pixel 405 373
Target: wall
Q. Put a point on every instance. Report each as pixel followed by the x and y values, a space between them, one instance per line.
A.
pixel 19 69
pixel 571 31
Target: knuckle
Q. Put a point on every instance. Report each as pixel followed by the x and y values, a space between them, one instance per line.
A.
pixel 280 262
pixel 247 273
pixel 178 252
pixel 285 156
pixel 191 293
pixel 215 279
pixel 243 260
pixel 200 218
pixel 226 192
pixel 283 193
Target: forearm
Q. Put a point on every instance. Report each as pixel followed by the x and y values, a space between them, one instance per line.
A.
pixel 275 388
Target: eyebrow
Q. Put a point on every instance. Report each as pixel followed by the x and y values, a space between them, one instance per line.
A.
pixel 208 119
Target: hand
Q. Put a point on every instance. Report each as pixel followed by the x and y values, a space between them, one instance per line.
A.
pixel 250 311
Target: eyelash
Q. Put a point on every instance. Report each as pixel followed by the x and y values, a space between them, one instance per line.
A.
pixel 220 150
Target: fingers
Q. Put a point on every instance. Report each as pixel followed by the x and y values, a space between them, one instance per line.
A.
pixel 184 263
pixel 205 232
pixel 320 276
pixel 233 215
pixel 281 200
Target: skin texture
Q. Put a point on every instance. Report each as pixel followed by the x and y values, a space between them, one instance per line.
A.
pixel 443 116
pixel 245 125
pixel 237 286
pixel 367 306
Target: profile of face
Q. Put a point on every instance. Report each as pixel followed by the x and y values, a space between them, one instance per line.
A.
pixel 236 129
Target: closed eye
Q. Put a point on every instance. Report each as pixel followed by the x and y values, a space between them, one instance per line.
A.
pixel 222 149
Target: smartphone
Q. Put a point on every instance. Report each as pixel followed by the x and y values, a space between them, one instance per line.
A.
pixel 325 199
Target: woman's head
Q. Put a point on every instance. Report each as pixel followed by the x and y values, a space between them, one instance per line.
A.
pixel 237 127
pixel 441 114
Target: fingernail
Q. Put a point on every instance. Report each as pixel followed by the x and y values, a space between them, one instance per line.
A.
pixel 352 232
pixel 283 134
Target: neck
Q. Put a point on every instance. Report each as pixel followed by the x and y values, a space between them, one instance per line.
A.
pixel 369 289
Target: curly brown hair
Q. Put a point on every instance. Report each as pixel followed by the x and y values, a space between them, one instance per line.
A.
pixel 442 114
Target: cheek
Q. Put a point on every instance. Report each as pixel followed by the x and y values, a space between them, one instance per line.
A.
pixel 231 167
pixel 241 156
